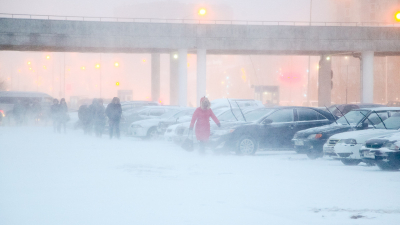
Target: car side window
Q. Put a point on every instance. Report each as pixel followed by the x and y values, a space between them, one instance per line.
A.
pixel 156 112
pixel 282 116
pixel 307 114
pixel 144 113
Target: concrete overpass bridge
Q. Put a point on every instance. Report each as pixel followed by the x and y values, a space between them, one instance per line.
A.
pixel 157 37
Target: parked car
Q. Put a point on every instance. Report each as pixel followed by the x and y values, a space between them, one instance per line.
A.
pixel 146 112
pixel 383 151
pixel 393 104
pixel 136 105
pixel 266 128
pixel 338 109
pixel 311 141
pixel 349 144
pixel 9 98
pixel 184 116
pixel 234 102
pixel 148 128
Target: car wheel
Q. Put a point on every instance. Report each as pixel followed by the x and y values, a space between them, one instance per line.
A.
pixel 350 162
pixel 246 146
pixel 152 133
pixel 388 166
pixel 314 154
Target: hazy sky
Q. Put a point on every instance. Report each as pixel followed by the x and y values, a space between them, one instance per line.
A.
pixel 245 10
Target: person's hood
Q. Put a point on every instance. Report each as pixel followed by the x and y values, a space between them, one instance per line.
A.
pixel 326 129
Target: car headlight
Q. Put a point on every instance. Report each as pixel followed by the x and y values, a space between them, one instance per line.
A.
pixel 314 136
pixel 136 126
pixel 348 141
pixel 222 132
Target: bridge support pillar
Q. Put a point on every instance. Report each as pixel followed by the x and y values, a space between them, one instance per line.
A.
pixel 324 81
pixel 367 77
pixel 155 77
pixel 182 57
pixel 173 79
pixel 201 74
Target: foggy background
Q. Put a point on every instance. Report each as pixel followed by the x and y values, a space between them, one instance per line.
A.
pixel 80 74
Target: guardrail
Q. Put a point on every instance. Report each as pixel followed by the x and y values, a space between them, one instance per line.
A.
pixel 197 21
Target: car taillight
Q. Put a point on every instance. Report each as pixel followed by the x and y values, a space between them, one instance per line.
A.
pixel 2 113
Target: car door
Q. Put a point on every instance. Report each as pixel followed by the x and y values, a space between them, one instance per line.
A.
pixel 279 133
pixel 308 118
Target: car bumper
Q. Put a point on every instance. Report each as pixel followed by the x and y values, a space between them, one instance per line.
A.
pixel 304 145
pixel 347 151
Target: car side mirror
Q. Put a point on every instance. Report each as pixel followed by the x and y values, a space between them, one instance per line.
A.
pixel 364 125
pixel 267 121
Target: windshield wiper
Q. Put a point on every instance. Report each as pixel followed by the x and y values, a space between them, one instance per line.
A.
pixel 232 109
pixel 334 117
pixel 241 111
pixel 381 120
pixel 368 120
pixel 343 115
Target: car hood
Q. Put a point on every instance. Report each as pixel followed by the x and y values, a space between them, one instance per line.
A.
pixel 363 135
pixel 331 128
pixel 148 122
pixel 229 124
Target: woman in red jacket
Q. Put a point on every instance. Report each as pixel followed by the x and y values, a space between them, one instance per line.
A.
pixel 202 116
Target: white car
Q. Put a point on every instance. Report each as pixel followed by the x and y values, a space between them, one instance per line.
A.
pixel 346 146
pixel 383 151
pixel 148 128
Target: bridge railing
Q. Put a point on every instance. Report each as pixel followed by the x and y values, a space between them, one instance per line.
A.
pixel 196 21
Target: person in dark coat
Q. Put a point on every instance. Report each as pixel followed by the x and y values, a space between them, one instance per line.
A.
pixel 84 118
pixel 55 115
pixel 18 112
pixel 99 118
pixel 114 113
pixel 201 117
pixel 64 117
pixel 92 111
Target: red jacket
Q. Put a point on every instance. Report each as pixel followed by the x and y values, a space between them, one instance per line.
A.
pixel 203 123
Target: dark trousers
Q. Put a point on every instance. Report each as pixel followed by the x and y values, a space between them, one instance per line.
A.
pixel 114 124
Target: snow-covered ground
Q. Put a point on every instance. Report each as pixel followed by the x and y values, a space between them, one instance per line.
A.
pixel 56 179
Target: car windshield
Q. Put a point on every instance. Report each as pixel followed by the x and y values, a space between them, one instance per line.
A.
pixel 228 115
pixel 392 123
pixel 169 113
pixel 354 117
pixel 258 114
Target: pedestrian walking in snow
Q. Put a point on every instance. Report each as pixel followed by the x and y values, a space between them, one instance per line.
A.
pixel 84 116
pixel 64 117
pixel 55 115
pixel 99 118
pixel 202 117
pixel 114 113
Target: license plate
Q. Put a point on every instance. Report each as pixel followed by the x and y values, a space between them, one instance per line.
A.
pixel 369 155
pixel 298 142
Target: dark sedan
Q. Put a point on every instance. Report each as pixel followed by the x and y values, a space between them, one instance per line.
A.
pixel 267 128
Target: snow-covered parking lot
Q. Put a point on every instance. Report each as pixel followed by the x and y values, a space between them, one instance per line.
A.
pixel 53 179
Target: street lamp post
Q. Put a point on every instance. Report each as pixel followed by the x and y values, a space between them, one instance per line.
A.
pixel 309 61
